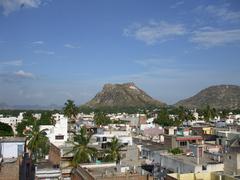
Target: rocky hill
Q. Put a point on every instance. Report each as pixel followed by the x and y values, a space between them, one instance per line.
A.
pixel 220 97
pixel 122 95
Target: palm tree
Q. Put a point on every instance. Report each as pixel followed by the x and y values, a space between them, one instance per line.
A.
pixel 208 113
pixel 81 151
pixel 113 151
pixel 38 142
pixel 70 110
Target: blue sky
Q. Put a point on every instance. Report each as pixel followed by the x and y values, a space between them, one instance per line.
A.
pixel 52 50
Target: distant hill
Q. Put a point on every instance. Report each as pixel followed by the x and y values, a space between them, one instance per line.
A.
pixel 220 97
pixel 3 106
pixel 30 107
pixel 122 95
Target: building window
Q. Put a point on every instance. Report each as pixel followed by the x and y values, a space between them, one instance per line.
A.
pixel 229 157
pixel 20 148
pixel 183 143
pixel 104 138
pixel 104 145
pixel 98 139
pixel 220 141
pixel 59 137
pixel 204 167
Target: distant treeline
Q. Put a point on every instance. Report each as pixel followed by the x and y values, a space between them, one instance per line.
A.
pixel 171 110
pixel 130 110
pixel 15 112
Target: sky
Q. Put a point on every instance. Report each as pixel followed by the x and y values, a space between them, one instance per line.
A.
pixel 54 50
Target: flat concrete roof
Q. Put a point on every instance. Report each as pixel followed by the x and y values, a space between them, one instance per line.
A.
pixel 13 139
pixel 193 160
pixel 150 145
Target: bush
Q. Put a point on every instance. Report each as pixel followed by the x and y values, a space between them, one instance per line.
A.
pixel 5 130
pixel 175 151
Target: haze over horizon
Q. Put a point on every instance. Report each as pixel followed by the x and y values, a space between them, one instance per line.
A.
pixel 53 50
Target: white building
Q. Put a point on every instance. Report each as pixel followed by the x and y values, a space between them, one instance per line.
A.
pixel 57 133
pixel 37 116
pixel 187 164
pixel 12 147
pixel 12 121
pixel 149 124
pixel 102 138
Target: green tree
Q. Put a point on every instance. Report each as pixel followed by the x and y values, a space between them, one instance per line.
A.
pixel 46 119
pixel 113 150
pixel 28 120
pixel 70 110
pixel 224 113
pixel 38 142
pixel 214 113
pixel 5 130
pixel 101 119
pixel 163 118
pixel 181 113
pixel 82 153
pixel 208 113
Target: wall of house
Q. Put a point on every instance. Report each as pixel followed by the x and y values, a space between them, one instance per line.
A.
pixel 208 130
pixel 10 149
pixel 59 129
pixel 54 155
pixel 215 167
pixel 10 171
pixel 81 174
pixel 232 163
pixel 175 165
pixel 192 176
pixel 169 141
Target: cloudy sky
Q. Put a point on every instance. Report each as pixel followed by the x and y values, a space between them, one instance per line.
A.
pixel 52 50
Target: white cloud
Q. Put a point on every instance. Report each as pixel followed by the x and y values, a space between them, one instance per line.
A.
pixel 215 37
pixel 222 12
pixel 154 32
pixel 23 74
pixel 44 52
pixel 10 6
pixel 38 42
pixel 71 46
pixel 12 63
pixel 179 3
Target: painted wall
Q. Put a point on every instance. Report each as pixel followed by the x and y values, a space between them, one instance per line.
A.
pixel 59 129
pixel 11 149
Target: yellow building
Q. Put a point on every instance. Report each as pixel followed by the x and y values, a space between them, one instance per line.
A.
pixel 199 176
pixel 208 130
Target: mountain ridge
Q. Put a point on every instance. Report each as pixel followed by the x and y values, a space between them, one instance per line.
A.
pixel 4 106
pixel 222 96
pixel 122 95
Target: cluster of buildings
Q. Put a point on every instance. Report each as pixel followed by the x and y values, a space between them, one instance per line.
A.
pixel 196 150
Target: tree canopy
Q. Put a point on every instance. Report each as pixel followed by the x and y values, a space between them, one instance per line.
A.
pixel 70 110
pixel 163 118
pixel 28 120
pixel 112 153
pixel 46 119
pixel 38 142
pixel 5 130
pixel 101 119
pixel 82 153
